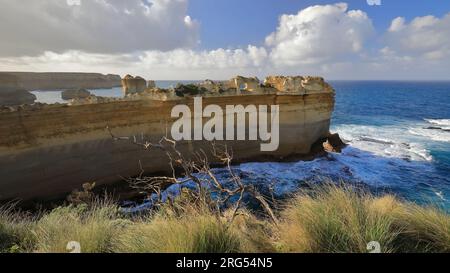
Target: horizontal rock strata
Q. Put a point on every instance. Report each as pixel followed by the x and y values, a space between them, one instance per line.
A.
pixel 47 151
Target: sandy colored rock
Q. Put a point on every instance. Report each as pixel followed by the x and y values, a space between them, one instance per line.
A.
pixel 285 84
pixel 247 84
pixel 47 151
pixel 131 85
pixel 75 94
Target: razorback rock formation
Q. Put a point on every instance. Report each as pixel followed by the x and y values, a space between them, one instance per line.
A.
pixel 132 85
pixel 75 94
pixel 48 151
pixel 61 81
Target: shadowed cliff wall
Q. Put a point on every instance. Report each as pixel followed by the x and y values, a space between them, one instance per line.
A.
pixel 48 151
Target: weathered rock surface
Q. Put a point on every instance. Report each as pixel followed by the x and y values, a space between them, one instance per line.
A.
pixel 247 84
pixel 286 84
pixel 60 81
pixel 12 94
pixel 49 150
pixel 75 94
pixel 17 97
pixel 151 84
pixel 132 85
pixel 334 144
pixel 8 82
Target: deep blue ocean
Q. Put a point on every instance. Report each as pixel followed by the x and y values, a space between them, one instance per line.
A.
pixel 398 135
pixel 399 142
pixel 402 129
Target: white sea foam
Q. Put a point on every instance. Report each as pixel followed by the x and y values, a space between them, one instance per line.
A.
pixel 440 122
pixel 386 141
pixel 433 134
pixel 379 156
pixel 440 195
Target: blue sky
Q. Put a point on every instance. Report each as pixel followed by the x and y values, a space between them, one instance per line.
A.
pixel 237 23
pixel 218 39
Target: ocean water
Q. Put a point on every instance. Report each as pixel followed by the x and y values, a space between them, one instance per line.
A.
pixel 45 96
pixel 399 142
pixel 398 135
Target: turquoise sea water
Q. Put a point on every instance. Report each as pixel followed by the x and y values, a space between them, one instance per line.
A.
pixel 399 136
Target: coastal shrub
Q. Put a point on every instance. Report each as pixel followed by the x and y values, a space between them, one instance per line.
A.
pixel 333 220
pixel 325 218
pixel 425 229
pixel 15 231
pixel 95 227
pixel 255 235
pixel 195 229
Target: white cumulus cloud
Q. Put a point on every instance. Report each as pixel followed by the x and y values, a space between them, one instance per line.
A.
pixel 157 39
pixel 319 34
pixel 426 38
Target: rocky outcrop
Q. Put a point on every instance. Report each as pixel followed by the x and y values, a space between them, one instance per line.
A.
pixel 132 85
pixel 11 93
pixel 298 84
pixel 247 84
pixel 60 81
pixel 285 84
pixel 334 144
pixel 17 97
pixel 151 84
pixel 49 150
pixel 75 94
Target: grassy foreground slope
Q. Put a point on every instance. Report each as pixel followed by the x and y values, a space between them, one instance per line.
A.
pixel 328 219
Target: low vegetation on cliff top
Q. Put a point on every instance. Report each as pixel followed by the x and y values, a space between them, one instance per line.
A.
pixel 327 219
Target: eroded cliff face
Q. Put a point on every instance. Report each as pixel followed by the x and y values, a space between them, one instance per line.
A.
pixel 11 93
pixel 47 151
pixel 60 81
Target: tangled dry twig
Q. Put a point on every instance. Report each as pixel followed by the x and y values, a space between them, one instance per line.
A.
pixel 198 171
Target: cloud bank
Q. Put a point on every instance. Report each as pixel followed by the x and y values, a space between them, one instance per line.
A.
pixel 94 26
pixel 159 40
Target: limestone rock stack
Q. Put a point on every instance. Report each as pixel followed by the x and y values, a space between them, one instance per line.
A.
pixel 75 94
pixel 132 85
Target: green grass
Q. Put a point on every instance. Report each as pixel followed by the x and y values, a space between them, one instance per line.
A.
pixel 335 220
pixel 15 231
pixel 96 228
pixel 327 219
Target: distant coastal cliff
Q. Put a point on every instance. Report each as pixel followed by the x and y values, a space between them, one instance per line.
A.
pixel 58 81
pixel 48 150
